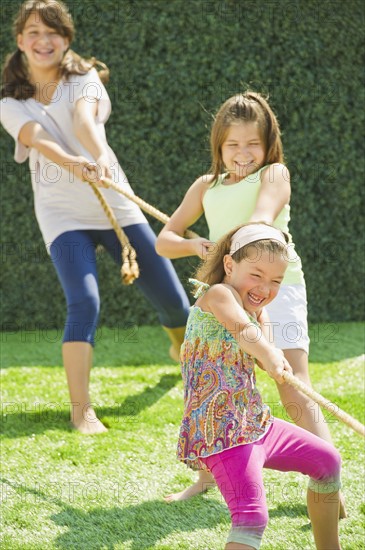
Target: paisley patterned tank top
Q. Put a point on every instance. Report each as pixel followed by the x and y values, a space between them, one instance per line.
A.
pixel 222 406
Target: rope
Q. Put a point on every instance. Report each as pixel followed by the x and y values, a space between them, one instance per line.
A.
pixel 331 407
pixel 151 210
pixel 129 270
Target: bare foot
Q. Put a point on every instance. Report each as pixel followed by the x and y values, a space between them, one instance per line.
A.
pixel 205 482
pixel 194 489
pixel 89 424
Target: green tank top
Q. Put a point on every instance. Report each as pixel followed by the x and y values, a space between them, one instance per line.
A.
pixel 226 206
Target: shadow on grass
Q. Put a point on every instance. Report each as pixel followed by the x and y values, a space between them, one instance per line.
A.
pixel 18 421
pixel 141 524
pixel 292 511
pixel 288 510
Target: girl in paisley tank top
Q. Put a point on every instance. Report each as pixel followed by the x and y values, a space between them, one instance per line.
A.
pixel 226 427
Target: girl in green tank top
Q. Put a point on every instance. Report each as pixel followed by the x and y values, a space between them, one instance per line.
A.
pixel 249 182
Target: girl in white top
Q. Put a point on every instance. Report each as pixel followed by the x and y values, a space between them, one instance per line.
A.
pixel 55 105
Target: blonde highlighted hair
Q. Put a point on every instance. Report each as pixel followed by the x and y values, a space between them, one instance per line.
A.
pixel 54 14
pixel 211 270
pixel 244 107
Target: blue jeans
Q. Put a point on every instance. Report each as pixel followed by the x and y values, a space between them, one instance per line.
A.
pixel 74 258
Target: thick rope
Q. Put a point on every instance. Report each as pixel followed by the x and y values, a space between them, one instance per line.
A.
pixel 129 270
pixel 325 403
pixel 151 210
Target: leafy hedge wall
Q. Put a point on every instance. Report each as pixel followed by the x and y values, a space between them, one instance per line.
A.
pixel 172 64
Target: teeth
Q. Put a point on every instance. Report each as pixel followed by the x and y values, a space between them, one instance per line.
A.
pixel 255 299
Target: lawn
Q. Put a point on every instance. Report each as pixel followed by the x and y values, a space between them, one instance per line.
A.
pixel 62 490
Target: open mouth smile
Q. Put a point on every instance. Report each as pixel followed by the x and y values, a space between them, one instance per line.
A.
pixel 44 52
pixel 243 164
pixel 254 299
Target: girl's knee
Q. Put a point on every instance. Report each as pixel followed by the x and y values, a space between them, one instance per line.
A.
pixel 82 318
pixel 328 481
pixel 87 308
pixel 333 463
pixel 173 310
pixel 174 317
pixel 251 518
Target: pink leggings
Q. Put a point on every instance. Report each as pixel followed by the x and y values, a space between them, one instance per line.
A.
pixel 285 447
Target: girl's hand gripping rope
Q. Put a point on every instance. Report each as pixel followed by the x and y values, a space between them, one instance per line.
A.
pixel 276 365
pixel 202 247
pixel 88 171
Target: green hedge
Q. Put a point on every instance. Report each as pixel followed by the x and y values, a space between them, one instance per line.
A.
pixel 172 64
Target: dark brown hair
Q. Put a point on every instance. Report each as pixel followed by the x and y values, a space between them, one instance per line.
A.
pixel 54 14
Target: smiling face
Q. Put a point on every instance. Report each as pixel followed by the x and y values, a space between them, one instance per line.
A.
pixel 242 150
pixel 43 46
pixel 257 278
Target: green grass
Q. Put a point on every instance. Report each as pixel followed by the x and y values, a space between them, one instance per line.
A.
pixel 62 490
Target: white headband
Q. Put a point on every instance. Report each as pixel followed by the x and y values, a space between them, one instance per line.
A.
pixel 255 232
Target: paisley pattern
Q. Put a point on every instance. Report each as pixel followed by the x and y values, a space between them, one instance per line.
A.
pixel 222 406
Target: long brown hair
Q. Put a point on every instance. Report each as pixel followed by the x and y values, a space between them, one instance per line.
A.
pixel 54 14
pixel 246 107
pixel 211 270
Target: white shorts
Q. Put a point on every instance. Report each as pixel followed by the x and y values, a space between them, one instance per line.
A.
pixel 288 318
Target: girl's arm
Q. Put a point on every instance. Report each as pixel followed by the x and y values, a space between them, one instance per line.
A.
pixel 87 133
pixel 34 136
pixel 170 242
pixel 274 193
pixel 267 330
pixel 222 301
pixel 264 320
